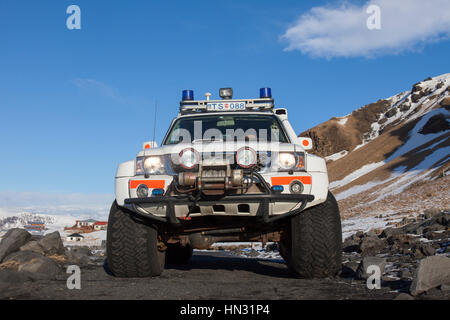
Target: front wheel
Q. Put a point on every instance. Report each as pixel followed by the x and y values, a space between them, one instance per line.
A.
pixel 131 246
pixel 312 241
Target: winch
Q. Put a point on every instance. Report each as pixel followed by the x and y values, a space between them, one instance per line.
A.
pixel 213 178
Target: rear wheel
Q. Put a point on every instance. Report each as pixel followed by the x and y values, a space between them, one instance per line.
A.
pixel 178 254
pixel 312 242
pixel 131 246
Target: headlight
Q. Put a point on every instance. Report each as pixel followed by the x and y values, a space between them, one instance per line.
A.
pixel 189 158
pixel 246 157
pixel 149 165
pixel 286 161
pixel 291 161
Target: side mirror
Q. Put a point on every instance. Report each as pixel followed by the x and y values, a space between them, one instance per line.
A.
pixel 149 145
pixel 306 143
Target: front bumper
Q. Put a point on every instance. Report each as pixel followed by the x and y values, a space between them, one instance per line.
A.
pixel 263 200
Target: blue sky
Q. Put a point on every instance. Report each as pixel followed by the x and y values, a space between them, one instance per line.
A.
pixel 76 103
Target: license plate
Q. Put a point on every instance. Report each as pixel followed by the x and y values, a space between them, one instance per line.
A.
pixel 225 106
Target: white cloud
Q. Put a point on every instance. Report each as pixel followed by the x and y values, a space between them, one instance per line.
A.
pixel 341 31
pixel 73 204
pixel 95 86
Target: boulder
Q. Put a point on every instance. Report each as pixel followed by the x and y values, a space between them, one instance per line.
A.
pixel 79 256
pixel 41 268
pixel 12 241
pixel 20 257
pixel 416 96
pixel 427 250
pixel 389 232
pixel 33 246
pixel 361 272
pixel 34 265
pixel 432 272
pixel 52 244
pixel 391 113
pixel 431 212
pixel 371 245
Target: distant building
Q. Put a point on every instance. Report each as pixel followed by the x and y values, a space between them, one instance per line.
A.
pixel 85 223
pixel 75 237
pixel 35 227
pixel 100 225
pixel 87 226
pixel 37 224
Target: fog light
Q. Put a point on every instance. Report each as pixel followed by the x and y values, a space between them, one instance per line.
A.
pixel 142 191
pixel 296 187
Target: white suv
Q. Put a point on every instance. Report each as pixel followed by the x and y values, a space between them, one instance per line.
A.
pixel 227 170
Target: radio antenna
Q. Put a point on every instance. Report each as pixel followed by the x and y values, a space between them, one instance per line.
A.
pixel 154 121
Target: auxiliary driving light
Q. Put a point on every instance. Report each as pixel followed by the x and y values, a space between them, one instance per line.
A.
pixel 142 191
pixel 226 93
pixel 189 158
pixel 296 187
pixel 246 157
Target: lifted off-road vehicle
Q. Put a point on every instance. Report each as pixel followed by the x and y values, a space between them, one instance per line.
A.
pixel 227 170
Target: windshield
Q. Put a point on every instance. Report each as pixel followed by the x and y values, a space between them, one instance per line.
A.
pixel 246 127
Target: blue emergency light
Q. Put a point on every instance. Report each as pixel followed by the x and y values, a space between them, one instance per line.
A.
pixel 157 192
pixel 188 95
pixel 265 93
pixel 277 189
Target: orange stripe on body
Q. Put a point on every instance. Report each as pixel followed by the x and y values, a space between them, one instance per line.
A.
pixel 151 184
pixel 277 181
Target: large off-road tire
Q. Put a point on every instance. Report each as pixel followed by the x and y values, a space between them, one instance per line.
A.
pixel 312 242
pixel 131 246
pixel 178 254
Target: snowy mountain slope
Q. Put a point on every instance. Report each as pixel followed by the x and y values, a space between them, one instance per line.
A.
pixel 388 149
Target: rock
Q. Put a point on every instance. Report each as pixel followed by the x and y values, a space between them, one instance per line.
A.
pixel 416 88
pixel 427 250
pixel 351 245
pixel 52 244
pixel 405 274
pixel 361 272
pixel 79 256
pixel 445 287
pixel 389 232
pixel 391 113
pixel 432 272
pixel 371 245
pixel 404 296
pixel 431 212
pixel 33 246
pixel 12 241
pixel 10 278
pixel 405 107
pixel 20 257
pixel 41 268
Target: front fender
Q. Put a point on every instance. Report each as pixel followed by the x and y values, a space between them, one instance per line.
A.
pixel 125 171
